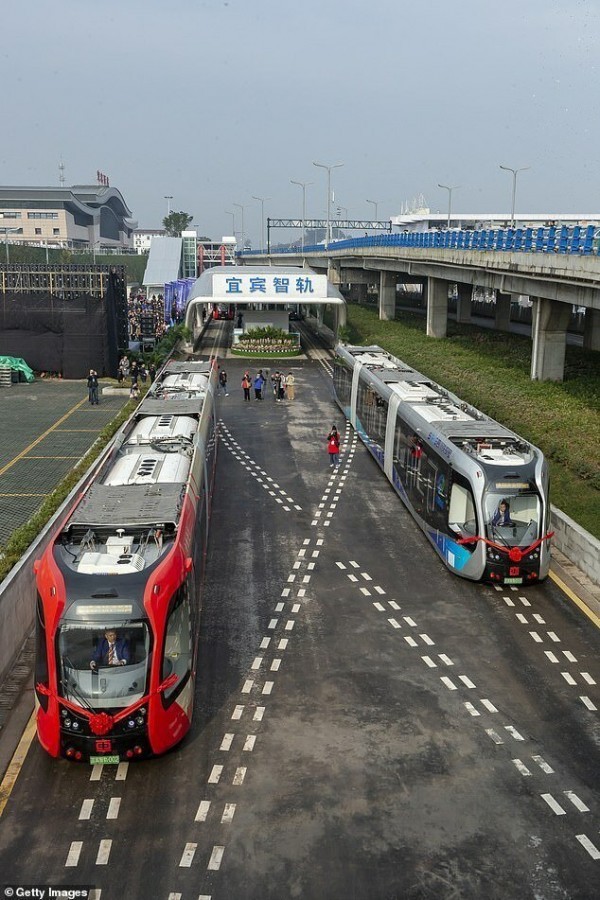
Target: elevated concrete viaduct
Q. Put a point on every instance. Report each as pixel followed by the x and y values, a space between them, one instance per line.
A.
pixel 555 283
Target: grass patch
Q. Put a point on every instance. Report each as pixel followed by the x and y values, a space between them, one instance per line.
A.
pixel 491 370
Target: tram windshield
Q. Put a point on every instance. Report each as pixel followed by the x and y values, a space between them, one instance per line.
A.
pixel 103 666
pixel 512 519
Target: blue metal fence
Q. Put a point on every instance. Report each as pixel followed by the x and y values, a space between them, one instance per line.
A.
pixel 574 239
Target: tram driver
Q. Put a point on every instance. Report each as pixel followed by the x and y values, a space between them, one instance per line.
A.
pixel 111 650
pixel 502 514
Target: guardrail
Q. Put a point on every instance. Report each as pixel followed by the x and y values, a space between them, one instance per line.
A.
pixel 581 240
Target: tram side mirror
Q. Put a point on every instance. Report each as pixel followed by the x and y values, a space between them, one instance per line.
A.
pixel 36 565
pixel 169 681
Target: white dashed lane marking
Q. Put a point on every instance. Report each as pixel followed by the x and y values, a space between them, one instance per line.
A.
pixel 215 774
pixel 86 809
pixel 74 853
pixel 202 811
pixel 588 845
pixel 554 805
pixel 104 849
pixel 113 808
pixel 187 856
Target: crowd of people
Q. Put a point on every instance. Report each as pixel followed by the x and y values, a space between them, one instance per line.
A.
pixel 138 306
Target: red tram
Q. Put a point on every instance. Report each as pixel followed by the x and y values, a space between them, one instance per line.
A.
pixel 119 586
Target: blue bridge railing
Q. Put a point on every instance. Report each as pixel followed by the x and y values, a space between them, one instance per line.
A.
pixel 578 239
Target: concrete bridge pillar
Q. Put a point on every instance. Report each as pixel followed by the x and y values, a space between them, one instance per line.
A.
pixel 333 273
pixel 549 333
pixel 340 317
pixel 437 307
pixel 591 329
pixel 502 318
pixel 387 295
pixel 463 303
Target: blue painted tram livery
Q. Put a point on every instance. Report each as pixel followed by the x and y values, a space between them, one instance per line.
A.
pixel 478 491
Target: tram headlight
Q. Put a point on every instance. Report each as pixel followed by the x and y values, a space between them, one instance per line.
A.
pixel 139 720
pixel 75 726
pixel 131 723
pixel 64 713
pixel 67 723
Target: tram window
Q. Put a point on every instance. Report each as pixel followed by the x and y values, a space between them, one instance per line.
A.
pixel 461 511
pixel 516 521
pixel 372 411
pixel 342 379
pixel 177 657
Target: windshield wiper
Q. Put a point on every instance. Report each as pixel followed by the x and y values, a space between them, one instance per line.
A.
pixel 70 689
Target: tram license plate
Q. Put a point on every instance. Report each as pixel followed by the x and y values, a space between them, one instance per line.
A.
pixel 104 760
pixel 513 581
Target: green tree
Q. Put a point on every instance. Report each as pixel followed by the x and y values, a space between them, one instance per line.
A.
pixel 176 222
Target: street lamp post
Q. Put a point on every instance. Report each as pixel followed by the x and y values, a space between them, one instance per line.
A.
pixel 232 214
pixel 168 198
pixel 515 172
pixel 449 188
pixel 303 185
pixel 375 204
pixel 7 231
pixel 262 201
pixel 239 206
pixel 329 168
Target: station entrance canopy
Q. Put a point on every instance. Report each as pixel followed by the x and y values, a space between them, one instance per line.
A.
pixel 277 285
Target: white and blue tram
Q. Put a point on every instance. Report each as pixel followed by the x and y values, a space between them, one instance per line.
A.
pixel 478 491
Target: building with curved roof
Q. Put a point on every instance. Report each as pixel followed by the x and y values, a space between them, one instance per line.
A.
pixel 80 216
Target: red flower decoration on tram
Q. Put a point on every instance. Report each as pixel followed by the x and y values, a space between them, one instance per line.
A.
pixel 101 723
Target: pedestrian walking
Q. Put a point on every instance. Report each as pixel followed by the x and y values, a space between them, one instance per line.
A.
pixel 282 386
pixel 276 384
pixel 223 381
pixel 152 372
pixel 259 383
pixel 333 447
pixel 246 385
pixel 290 389
pixel 92 384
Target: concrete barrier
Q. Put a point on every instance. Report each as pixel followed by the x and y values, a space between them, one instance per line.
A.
pixel 579 546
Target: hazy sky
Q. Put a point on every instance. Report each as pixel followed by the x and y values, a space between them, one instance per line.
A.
pixel 213 101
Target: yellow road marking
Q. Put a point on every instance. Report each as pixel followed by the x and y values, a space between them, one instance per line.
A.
pixel 16 763
pixel 41 437
pixel 572 596
pixel 23 495
pixel 51 457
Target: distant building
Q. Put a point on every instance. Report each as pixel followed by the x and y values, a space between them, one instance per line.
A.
pixel 200 254
pixel 142 238
pixel 424 220
pixel 75 217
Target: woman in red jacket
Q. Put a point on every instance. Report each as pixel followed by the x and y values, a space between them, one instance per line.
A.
pixel 333 447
